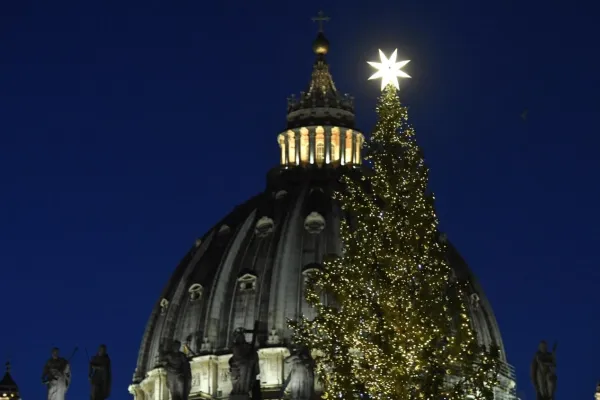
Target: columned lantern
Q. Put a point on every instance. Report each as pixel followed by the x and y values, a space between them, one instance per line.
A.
pixel 320 128
pixel 8 386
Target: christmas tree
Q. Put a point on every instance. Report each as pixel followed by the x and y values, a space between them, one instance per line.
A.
pixel 396 323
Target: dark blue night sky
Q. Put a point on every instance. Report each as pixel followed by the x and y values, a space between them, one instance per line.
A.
pixel 128 128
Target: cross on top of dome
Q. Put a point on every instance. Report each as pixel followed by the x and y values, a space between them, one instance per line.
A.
pixel 320 18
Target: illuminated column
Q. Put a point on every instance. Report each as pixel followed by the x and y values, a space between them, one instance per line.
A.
pixel 360 141
pixel 305 149
pixel 291 147
pixel 159 375
pixel 335 145
pixel 281 141
pixel 319 146
pixel 354 160
pixel 340 147
pixel 348 146
pixel 287 151
pixel 311 142
pixel 297 141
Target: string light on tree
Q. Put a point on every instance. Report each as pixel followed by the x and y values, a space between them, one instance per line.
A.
pixel 392 323
pixel 388 70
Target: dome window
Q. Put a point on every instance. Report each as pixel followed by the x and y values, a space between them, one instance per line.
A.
pixel 314 223
pixel 224 229
pixel 274 338
pixel 320 152
pixel 164 305
pixel 247 282
pixel 280 195
pixel 206 346
pixel 195 291
pixel 264 227
pixel 309 270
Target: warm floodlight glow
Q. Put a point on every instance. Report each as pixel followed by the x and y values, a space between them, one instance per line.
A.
pixel 388 69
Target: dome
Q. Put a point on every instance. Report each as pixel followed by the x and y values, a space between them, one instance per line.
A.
pixel 249 270
pixel 8 386
pixel 250 267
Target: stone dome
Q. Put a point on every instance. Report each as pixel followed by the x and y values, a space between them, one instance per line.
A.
pixel 248 271
pixel 250 267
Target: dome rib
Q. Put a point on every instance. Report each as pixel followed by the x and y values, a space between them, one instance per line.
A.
pixel 153 333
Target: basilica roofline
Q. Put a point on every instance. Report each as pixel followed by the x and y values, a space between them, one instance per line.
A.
pixel 210 375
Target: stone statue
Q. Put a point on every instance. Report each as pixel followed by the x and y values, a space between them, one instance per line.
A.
pixel 301 379
pixel 100 375
pixel 597 397
pixel 57 376
pixel 543 372
pixel 179 372
pixel 243 366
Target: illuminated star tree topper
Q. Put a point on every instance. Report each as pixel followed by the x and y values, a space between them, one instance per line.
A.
pixel 388 70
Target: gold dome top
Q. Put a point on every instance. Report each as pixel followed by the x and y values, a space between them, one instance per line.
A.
pixel 321 44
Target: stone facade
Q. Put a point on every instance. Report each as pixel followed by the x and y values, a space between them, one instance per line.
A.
pixel 210 377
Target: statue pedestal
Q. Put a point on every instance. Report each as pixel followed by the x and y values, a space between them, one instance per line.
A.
pixel 239 397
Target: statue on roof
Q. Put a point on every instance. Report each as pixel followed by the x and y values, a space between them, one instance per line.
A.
pixel 179 372
pixel 243 366
pixel 301 377
pixel 100 375
pixel 57 376
pixel 543 372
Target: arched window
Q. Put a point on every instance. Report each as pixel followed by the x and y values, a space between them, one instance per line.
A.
pixel 304 146
pixel 335 144
pixel 291 142
pixel 195 291
pixel 359 142
pixel 348 148
pixel 307 310
pixel 320 152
